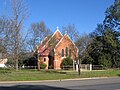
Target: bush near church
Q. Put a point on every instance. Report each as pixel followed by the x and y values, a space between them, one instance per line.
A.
pixel 67 62
pixel 43 65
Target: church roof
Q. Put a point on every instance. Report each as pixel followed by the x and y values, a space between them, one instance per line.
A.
pixel 49 44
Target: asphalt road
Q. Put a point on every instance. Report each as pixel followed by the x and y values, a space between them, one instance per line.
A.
pixel 88 84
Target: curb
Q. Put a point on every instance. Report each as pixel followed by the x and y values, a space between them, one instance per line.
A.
pixel 44 81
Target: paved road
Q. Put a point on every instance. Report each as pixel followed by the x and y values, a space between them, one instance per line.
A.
pixel 88 84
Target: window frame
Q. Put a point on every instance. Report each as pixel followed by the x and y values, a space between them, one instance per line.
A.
pixel 67 52
pixel 62 53
pixel 44 59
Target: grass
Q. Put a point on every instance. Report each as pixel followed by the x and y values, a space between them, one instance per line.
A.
pixel 32 75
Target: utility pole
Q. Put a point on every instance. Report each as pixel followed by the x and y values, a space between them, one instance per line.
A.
pixel 78 67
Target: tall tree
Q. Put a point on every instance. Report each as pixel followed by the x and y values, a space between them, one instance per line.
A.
pixel 38 32
pixel 13 38
pixel 82 43
pixel 20 13
pixel 112 18
pixel 105 46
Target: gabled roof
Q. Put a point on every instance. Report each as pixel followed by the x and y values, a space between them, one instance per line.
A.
pixel 66 35
pixel 43 42
pixel 48 44
pixel 57 36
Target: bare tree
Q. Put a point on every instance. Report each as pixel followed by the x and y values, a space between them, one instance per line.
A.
pixel 83 43
pixel 71 31
pixel 20 13
pixel 4 35
pixel 38 31
pixel 13 39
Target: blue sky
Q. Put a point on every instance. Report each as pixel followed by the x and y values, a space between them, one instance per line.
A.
pixel 84 14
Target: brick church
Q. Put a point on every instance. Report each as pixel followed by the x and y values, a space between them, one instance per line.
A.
pixel 53 49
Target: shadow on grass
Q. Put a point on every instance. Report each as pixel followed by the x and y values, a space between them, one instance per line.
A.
pixel 62 72
pixel 54 71
pixel 119 75
pixel 31 87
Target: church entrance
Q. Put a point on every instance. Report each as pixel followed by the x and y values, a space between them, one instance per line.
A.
pixel 51 62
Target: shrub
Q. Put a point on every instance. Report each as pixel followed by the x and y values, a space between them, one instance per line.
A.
pixel 67 62
pixel 43 65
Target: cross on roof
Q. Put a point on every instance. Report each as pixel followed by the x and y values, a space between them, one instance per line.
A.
pixel 57 28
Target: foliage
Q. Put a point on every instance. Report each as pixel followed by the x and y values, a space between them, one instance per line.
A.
pixel 86 59
pixel 31 61
pixel 105 46
pixel 112 21
pixel 105 60
pixel 43 65
pixel 112 13
pixel 67 62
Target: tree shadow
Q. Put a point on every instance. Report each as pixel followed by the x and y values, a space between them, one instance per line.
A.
pixel 31 87
pixel 119 75
pixel 54 71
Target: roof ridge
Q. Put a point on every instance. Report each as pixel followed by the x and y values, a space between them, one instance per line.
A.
pixel 62 39
pixel 57 30
pixel 59 41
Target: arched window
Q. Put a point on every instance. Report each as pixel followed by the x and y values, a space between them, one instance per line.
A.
pixel 44 59
pixel 62 52
pixel 70 52
pixel 66 51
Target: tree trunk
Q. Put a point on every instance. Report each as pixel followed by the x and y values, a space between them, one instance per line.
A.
pixel 38 66
pixel 38 63
pixel 16 64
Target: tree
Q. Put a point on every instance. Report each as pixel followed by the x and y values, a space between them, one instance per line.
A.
pixel 105 60
pixel 38 32
pixel 112 21
pixel 105 46
pixel 13 40
pixel 3 25
pixel 112 15
pixel 71 31
pixel 82 43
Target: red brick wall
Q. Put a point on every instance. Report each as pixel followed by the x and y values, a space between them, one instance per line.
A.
pixel 41 60
pixel 65 42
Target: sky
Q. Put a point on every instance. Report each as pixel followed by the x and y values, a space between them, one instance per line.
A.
pixel 84 14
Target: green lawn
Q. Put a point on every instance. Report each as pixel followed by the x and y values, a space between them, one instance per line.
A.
pixel 32 75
